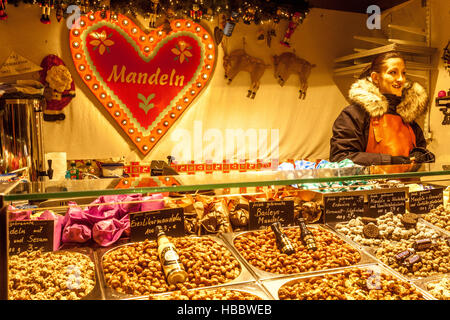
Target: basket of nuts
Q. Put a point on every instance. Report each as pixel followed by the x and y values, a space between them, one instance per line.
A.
pixel 259 249
pixel 371 282
pixel 134 269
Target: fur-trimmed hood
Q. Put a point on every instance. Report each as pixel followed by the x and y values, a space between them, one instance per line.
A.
pixel 366 94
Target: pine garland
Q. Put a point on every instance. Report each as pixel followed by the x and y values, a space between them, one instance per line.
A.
pixel 251 11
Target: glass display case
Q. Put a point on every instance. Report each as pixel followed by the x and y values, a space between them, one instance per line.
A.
pixel 379 233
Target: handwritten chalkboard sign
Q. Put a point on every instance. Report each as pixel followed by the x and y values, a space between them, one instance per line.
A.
pixel 264 213
pixel 382 203
pixel 143 224
pixel 30 235
pixel 343 208
pixel 425 200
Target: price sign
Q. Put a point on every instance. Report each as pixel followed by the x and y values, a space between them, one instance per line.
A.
pixel 30 235
pixel 426 200
pixel 143 224
pixel 382 203
pixel 264 213
pixel 343 208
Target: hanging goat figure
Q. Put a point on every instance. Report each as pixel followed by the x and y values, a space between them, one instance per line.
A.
pixel 288 63
pixel 238 61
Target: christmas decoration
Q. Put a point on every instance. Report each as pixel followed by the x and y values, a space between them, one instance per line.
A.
pixel 3 15
pixel 153 14
pixel 59 11
pixel 288 63
pixel 238 61
pixel 251 11
pixel 230 24
pixel 60 87
pixel 296 19
pixel 46 6
pixel 249 14
pixel 196 13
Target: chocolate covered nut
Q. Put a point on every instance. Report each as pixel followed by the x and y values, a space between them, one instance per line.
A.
pixel 371 231
pixel 409 220
pixel 367 220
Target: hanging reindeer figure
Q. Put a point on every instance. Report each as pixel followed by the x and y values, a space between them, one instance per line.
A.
pixel 238 61
pixel 288 63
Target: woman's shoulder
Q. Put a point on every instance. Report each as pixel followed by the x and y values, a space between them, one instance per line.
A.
pixel 355 110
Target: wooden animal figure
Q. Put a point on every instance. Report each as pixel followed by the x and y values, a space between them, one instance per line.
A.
pixel 288 63
pixel 238 61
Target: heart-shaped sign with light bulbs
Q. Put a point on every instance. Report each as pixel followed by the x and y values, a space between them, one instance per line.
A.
pixel 144 80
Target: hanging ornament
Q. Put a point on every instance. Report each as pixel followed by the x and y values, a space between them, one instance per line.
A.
pixel 293 23
pixel 3 15
pixel 46 5
pixel 196 13
pixel 231 23
pixel 218 31
pixel 59 11
pixel 153 14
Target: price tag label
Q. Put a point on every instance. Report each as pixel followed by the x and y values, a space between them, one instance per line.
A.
pixel 264 213
pixel 343 208
pixel 382 203
pixel 143 224
pixel 425 200
pixel 30 235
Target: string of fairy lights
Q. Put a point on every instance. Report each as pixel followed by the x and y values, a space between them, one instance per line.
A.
pixel 248 11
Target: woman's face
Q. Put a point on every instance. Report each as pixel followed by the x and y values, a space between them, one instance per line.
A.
pixel 391 79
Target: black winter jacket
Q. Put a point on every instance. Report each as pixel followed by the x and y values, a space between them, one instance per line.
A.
pixel 351 128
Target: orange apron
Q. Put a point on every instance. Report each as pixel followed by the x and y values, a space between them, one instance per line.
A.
pixel 388 134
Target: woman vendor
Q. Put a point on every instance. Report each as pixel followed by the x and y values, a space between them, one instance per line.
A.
pixel 379 127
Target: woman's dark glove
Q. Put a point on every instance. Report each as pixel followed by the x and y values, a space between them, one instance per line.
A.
pixel 400 160
pixel 421 155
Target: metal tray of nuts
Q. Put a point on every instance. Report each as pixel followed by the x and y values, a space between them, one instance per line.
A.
pixel 444 232
pixel 262 274
pixel 252 288
pixel 437 286
pixel 433 263
pixel 375 283
pixel 358 239
pixel 112 294
pixel 75 277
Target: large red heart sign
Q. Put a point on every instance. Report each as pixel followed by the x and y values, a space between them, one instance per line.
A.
pixel 145 81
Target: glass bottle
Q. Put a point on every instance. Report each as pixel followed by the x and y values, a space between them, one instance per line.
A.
pixel 170 261
pixel 283 242
pixel 306 235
